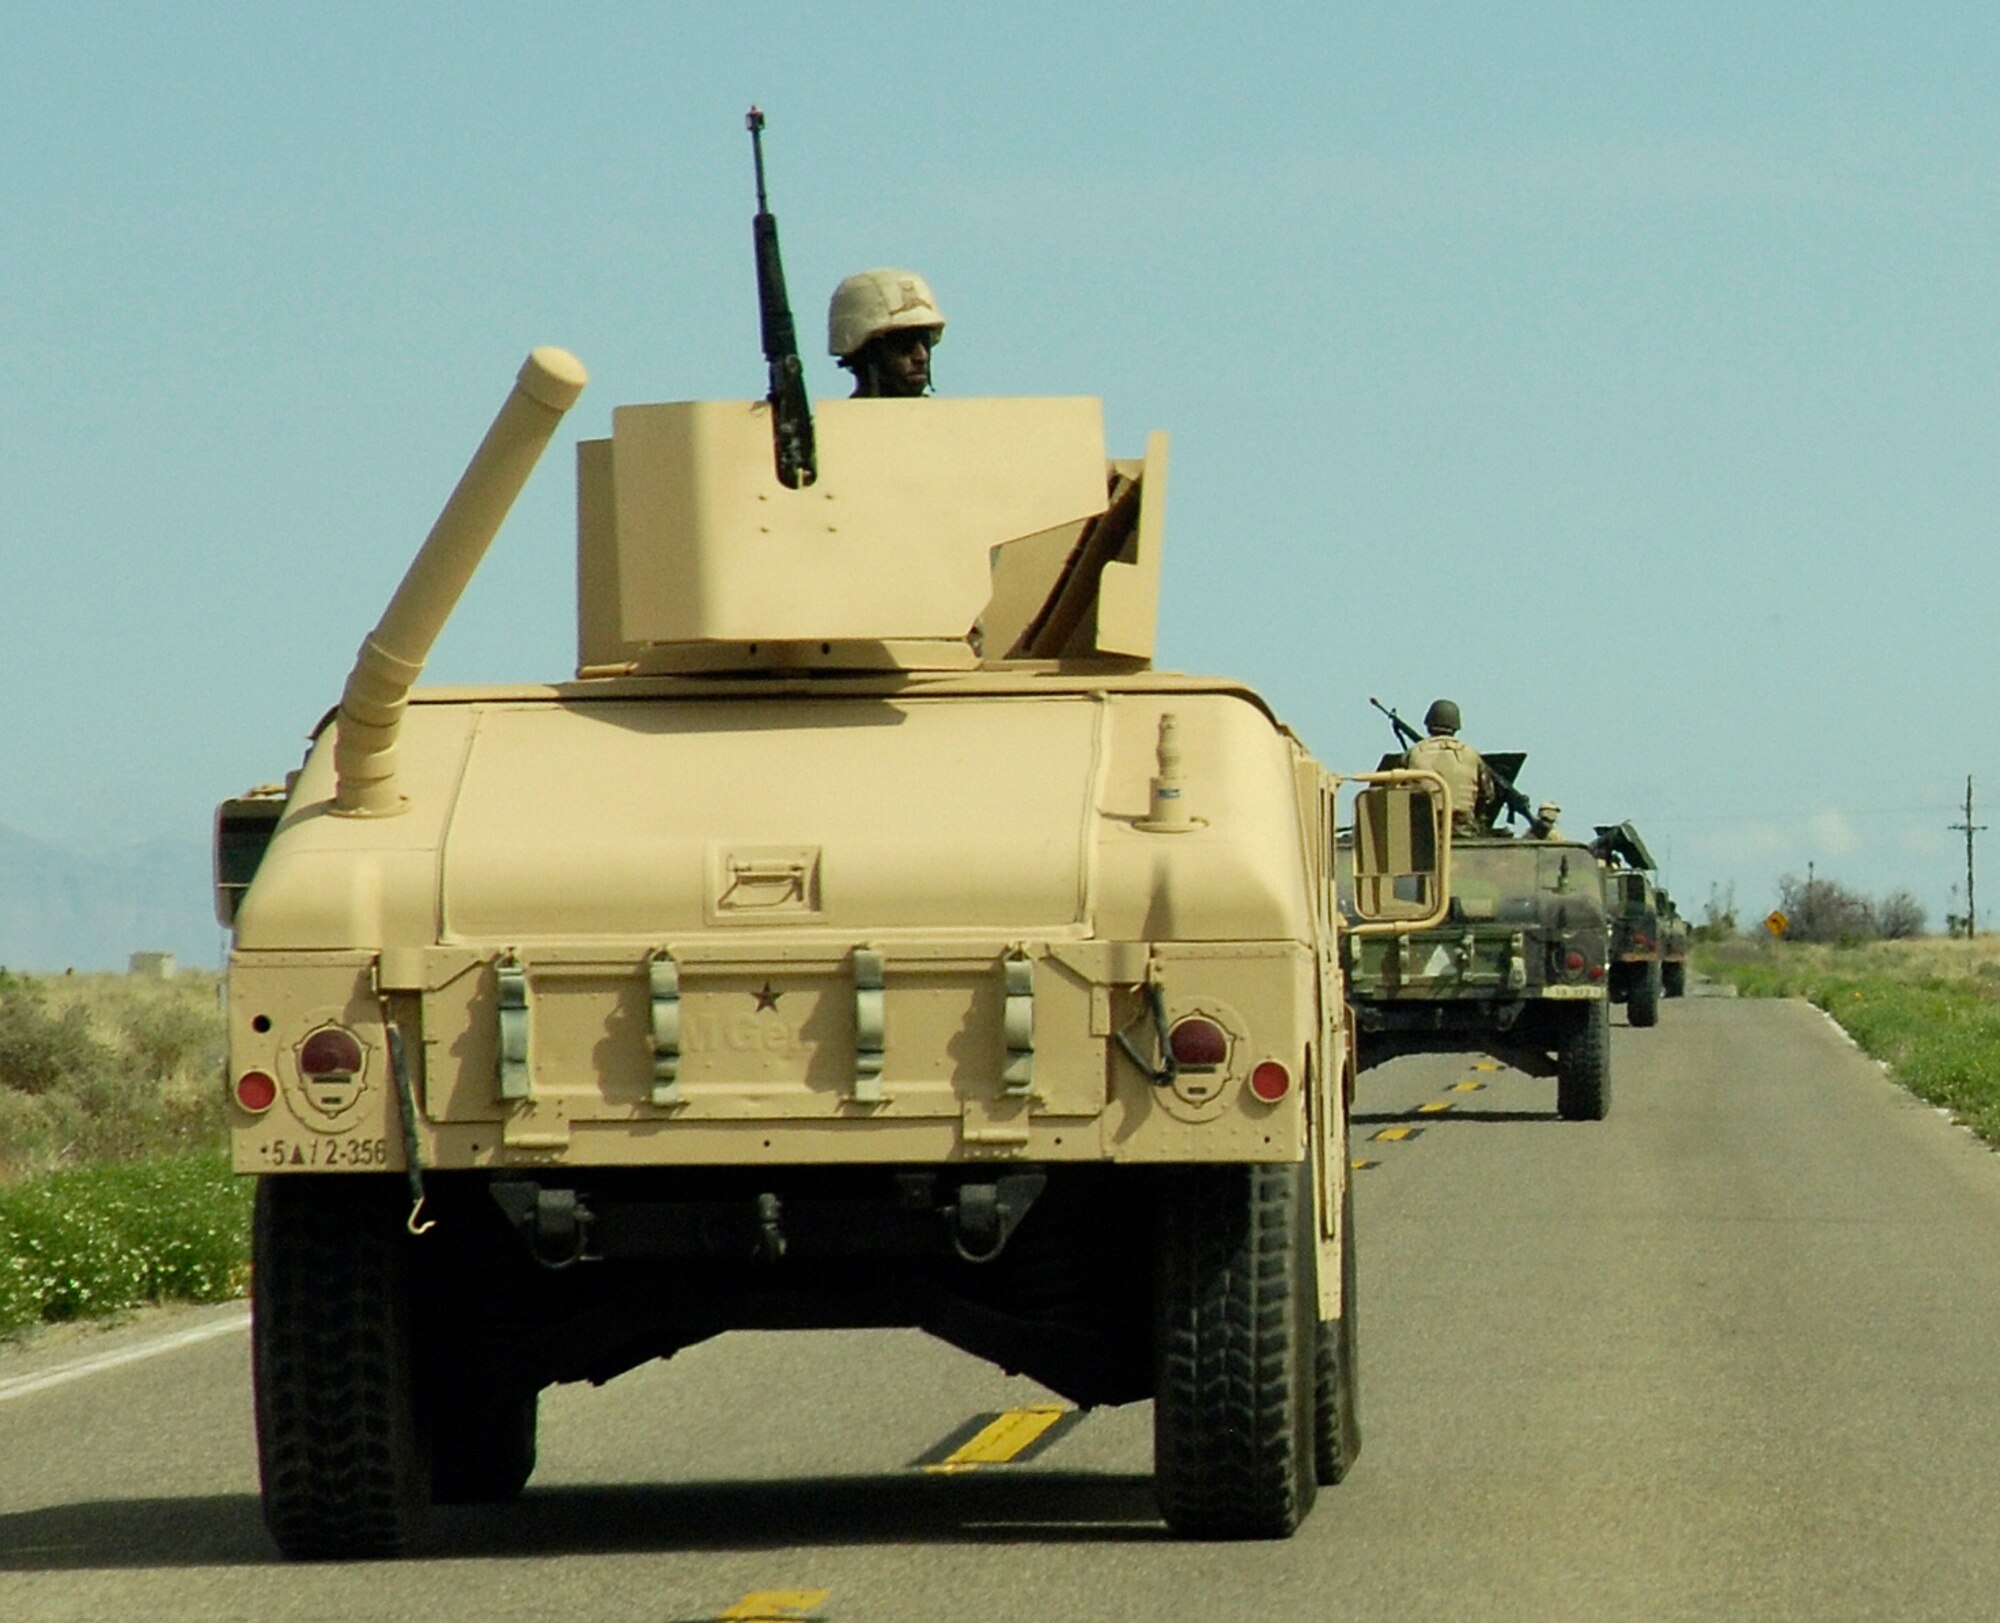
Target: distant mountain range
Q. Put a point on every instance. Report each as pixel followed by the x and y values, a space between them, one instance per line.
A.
pixel 63 909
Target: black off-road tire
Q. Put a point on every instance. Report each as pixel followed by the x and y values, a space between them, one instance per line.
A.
pixel 1337 1406
pixel 1234 1409
pixel 1643 1009
pixel 1674 978
pixel 1583 1064
pixel 482 1443
pixel 339 1449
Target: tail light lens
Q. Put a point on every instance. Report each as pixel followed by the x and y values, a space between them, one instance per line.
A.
pixel 1270 1082
pixel 1199 1044
pixel 330 1051
pixel 1572 960
pixel 256 1091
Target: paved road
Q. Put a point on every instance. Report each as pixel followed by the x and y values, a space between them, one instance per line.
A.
pixel 1730 1354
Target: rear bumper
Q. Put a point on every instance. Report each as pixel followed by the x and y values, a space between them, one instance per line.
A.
pixel 789 1052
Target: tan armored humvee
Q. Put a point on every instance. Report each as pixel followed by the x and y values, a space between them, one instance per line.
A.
pixel 867 936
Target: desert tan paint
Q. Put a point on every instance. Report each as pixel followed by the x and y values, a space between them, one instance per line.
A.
pixel 785 758
pixel 392 657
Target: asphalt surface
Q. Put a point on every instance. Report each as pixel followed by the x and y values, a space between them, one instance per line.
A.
pixel 1729 1354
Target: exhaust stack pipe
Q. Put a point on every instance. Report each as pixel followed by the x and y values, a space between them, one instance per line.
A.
pixel 392 655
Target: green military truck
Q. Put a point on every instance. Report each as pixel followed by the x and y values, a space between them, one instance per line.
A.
pixel 1631 902
pixel 1517 969
pixel 1676 938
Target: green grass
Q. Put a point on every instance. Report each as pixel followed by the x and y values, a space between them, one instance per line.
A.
pixel 1928 1009
pixel 107 1068
pixel 97 1239
pixel 115 1189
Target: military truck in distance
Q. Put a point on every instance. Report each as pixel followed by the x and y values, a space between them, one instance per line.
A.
pixel 1515 970
pixel 1676 939
pixel 802 964
pixel 1632 904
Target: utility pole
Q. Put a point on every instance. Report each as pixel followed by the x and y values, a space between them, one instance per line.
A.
pixel 1969 828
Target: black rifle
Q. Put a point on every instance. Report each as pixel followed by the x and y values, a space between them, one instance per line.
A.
pixel 1404 731
pixel 791 411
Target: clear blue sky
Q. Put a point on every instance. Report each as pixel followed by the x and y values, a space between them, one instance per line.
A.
pixel 1627 373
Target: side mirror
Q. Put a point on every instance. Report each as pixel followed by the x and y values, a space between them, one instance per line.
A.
pixel 1401 852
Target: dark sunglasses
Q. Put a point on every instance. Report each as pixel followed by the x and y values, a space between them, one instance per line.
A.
pixel 908 338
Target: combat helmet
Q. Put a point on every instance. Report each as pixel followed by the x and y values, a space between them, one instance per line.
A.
pixel 872 302
pixel 1442 717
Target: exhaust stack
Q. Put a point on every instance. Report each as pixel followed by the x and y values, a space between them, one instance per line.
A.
pixel 392 655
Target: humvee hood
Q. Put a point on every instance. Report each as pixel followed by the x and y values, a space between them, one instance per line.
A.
pixel 646 820
pixel 546 818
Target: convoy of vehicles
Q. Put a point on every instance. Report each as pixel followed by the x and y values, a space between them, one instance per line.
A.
pixel 867 935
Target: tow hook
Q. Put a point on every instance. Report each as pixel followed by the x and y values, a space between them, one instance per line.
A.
pixel 986 1214
pixel 555 1222
pixel 770 1243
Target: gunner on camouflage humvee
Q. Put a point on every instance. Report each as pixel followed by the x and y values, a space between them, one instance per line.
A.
pixel 1517 968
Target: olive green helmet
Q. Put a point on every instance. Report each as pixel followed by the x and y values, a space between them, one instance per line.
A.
pixel 1442 717
pixel 872 302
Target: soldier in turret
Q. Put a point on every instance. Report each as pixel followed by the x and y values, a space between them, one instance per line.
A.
pixel 1544 826
pixel 883 325
pixel 1465 774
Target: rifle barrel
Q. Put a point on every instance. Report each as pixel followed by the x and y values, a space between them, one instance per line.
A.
pixel 754 122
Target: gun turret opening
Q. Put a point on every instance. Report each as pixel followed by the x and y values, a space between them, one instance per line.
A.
pixel 392 655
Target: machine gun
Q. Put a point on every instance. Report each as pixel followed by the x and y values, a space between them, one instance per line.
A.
pixel 791 411
pixel 1500 768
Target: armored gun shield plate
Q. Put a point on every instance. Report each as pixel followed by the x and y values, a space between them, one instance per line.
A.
pixel 1622 840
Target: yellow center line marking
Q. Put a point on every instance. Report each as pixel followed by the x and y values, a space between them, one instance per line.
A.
pixel 1467 1087
pixel 1487 1065
pixel 1362 1166
pixel 1435 1107
pixel 1396 1135
pixel 1002 1438
pixel 774 1605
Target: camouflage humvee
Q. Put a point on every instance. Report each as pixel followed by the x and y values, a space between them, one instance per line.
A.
pixel 1516 970
pixel 1676 940
pixel 867 936
pixel 1632 904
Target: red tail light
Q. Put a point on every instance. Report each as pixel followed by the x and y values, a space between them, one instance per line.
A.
pixel 1199 1044
pixel 256 1091
pixel 1270 1082
pixel 1572 960
pixel 330 1051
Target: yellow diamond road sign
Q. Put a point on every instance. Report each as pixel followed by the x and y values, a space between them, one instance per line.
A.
pixel 1776 922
